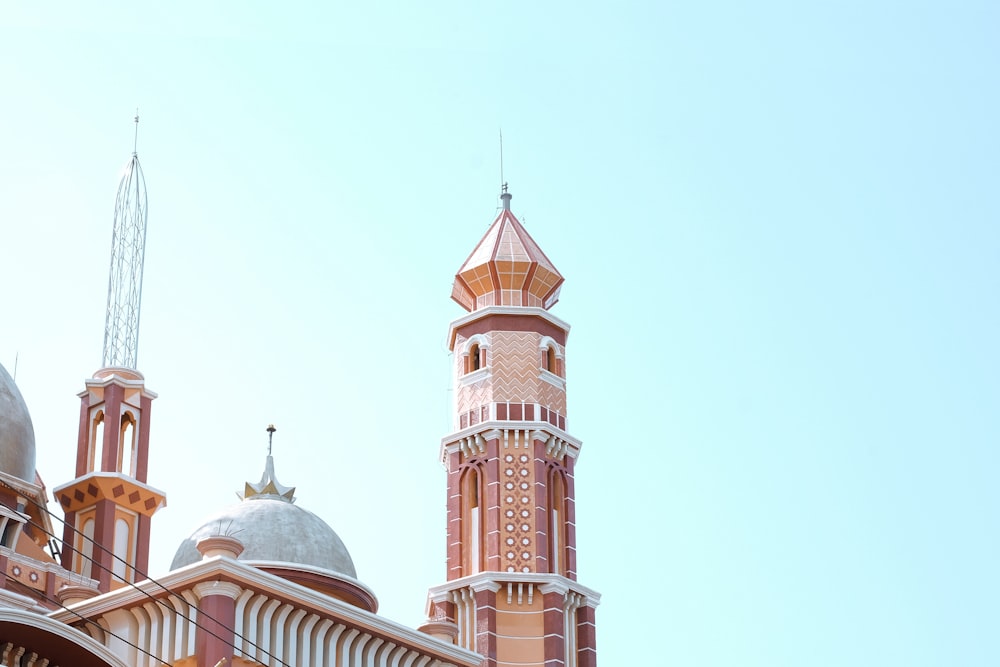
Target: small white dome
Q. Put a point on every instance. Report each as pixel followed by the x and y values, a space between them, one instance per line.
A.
pixel 273 529
pixel 17 435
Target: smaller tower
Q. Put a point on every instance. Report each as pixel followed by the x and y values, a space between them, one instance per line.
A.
pixel 109 505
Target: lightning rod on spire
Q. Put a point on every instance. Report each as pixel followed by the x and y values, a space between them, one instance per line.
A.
pixel 502 182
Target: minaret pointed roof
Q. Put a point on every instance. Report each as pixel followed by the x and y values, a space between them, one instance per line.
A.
pixel 507 268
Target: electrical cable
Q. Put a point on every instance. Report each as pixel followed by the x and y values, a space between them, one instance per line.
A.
pixel 104 630
pixel 147 578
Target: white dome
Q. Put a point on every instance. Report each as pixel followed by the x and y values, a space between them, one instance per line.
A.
pixel 17 435
pixel 273 529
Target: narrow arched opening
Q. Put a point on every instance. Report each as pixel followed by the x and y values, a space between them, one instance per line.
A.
pixel 126 445
pixel 472 523
pixel 557 522
pixel 96 442
pixel 475 358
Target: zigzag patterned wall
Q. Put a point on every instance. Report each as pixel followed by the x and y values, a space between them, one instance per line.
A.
pixel 513 375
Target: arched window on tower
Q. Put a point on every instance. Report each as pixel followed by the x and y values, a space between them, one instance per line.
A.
pixel 557 522
pixel 472 523
pixel 549 359
pixel 122 551
pixel 85 549
pixel 476 354
pixel 96 443
pixel 126 445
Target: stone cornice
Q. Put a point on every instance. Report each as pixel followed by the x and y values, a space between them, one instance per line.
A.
pixel 21 486
pixel 495 580
pixel 451 443
pixel 109 475
pixel 530 311
pixel 110 376
pixel 96 485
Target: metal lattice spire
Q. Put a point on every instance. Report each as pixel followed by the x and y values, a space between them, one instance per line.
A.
pixel 128 248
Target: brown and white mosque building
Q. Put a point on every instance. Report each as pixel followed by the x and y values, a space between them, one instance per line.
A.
pixel 266 582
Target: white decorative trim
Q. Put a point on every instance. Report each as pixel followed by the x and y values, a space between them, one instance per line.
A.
pixel 487 585
pixel 556 447
pixel 21 486
pixel 12 600
pixel 474 377
pixel 545 582
pixel 547 342
pixel 494 429
pixel 553 379
pixel 532 311
pixel 472 445
pixel 482 340
pixel 114 378
pixel 226 588
pixel 573 602
pixel 493 434
pixel 112 475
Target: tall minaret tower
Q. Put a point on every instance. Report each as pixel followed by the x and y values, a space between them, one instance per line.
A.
pixel 512 589
pixel 108 506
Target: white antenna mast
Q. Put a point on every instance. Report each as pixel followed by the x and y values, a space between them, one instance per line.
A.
pixel 128 249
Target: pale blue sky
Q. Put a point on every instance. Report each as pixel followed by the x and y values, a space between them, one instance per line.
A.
pixel 778 225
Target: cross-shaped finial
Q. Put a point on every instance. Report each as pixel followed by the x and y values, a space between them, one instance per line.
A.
pixel 505 187
pixel 270 437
